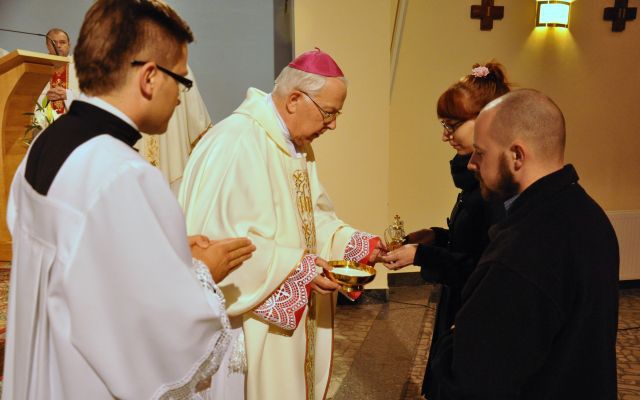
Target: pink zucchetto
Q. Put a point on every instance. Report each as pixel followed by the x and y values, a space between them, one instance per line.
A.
pixel 317 62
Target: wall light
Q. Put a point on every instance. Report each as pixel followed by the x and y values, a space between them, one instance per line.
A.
pixel 553 13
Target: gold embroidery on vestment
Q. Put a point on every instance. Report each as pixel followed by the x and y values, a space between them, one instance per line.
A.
pixel 151 149
pixel 308 228
pixel 305 208
pixel 309 360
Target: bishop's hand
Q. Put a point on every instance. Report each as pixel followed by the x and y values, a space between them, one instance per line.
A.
pixel 378 253
pixel 321 283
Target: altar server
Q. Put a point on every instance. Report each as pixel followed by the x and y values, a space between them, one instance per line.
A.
pixel 107 300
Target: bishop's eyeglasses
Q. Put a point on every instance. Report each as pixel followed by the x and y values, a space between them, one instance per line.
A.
pixel 186 83
pixel 327 116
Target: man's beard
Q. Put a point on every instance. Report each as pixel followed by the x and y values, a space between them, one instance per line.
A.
pixel 506 186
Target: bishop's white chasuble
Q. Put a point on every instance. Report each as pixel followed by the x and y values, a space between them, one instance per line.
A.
pixel 241 180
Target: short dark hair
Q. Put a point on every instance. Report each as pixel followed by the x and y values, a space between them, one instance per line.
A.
pixel 464 99
pixel 116 31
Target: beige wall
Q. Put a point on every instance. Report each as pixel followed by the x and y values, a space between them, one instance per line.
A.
pixel 387 157
pixel 354 159
pixel 591 72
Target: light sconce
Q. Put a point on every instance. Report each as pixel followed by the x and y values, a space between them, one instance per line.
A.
pixel 553 13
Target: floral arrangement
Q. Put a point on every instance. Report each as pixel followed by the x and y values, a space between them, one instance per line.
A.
pixel 42 117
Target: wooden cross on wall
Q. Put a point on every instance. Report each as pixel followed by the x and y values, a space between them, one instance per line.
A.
pixel 619 14
pixel 486 13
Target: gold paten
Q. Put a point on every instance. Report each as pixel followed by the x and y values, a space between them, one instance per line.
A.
pixel 351 283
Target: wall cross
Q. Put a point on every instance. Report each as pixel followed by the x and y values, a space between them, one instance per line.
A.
pixel 486 13
pixel 619 14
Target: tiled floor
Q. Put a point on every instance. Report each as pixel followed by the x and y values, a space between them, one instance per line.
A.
pixel 628 348
pixel 381 349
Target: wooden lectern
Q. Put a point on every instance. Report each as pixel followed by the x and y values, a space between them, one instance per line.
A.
pixel 23 75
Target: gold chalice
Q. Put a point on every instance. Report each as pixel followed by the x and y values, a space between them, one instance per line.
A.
pixel 352 276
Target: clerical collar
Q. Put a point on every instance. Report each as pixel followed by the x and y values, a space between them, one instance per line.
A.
pixel 108 107
pixel 285 131
pixel 88 117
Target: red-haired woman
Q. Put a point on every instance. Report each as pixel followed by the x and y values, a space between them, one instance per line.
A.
pixel 449 255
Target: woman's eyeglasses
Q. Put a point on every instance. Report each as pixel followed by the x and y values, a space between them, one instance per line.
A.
pixel 451 128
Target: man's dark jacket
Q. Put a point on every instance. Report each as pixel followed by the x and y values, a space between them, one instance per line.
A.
pixel 539 314
pixel 455 252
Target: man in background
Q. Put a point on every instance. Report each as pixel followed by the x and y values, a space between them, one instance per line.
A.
pixel 539 314
pixel 62 88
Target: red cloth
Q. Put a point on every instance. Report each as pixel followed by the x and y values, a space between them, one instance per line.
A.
pixel 356 246
pixel 353 295
pixel 317 62
pixel 60 79
pixel 373 242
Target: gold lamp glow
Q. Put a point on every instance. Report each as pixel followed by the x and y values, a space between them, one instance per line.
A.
pixel 553 13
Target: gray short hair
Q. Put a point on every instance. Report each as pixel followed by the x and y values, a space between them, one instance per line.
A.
pixel 291 79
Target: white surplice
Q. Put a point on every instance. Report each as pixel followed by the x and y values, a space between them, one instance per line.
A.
pixel 105 301
pixel 242 180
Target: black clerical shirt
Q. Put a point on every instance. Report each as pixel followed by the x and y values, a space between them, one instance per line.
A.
pixel 82 123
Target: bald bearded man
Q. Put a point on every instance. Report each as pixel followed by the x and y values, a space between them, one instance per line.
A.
pixel 539 314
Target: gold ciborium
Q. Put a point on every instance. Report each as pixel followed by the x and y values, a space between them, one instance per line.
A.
pixel 394 234
pixel 352 276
